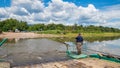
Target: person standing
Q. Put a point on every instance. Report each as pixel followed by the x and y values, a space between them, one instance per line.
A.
pixel 79 43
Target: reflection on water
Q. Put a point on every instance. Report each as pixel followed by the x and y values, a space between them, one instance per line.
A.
pixel 90 39
pixel 107 47
pixel 30 51
pixel 110 47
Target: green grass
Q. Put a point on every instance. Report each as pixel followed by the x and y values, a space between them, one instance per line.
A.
pixel 93 34
pixel 91 37
pixel 61 33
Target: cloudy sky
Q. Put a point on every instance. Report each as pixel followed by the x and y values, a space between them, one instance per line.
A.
pixel 84 12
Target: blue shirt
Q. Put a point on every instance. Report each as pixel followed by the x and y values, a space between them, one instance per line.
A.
pixel 79 39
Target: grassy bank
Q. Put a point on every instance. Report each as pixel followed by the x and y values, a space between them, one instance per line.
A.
pixel 92 34
pixel 84 34
pixel 88 37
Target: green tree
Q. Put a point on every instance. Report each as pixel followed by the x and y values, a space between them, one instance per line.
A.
pixel 51 26
pixel 22 26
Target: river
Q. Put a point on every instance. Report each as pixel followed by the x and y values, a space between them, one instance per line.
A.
pixel 40 50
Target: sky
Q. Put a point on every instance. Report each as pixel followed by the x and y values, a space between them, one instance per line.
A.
pixel 68 12
pixel 4 3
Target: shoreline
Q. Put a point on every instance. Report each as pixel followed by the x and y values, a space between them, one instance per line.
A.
pixel 13 35
pixel 73 63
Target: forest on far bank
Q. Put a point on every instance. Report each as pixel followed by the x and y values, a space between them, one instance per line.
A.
pixel 12 24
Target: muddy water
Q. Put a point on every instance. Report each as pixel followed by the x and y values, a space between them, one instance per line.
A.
pixel 107 45
pixel 30 51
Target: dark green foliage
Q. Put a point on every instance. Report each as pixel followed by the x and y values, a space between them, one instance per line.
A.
pixel 37 27
pixel 0 31
pixel 12 24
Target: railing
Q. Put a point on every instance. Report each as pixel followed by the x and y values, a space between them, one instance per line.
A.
pixel 3 41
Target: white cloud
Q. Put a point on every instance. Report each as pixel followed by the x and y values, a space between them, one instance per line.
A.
pixel 34 11
pixel 111 16
pixel 3 13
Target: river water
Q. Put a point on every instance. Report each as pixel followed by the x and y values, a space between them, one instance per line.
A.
pixel 42 50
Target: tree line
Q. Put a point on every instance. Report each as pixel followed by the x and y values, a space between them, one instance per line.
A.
pixel 12 24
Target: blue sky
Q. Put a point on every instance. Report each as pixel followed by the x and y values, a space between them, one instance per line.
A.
pixel 97 3
pixel 83 12
pixel 5 3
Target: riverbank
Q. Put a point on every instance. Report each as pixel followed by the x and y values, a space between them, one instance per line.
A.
pixel 73 63
pixel 4 65
pixel 93 34
pixel 80 63
pixel 11 35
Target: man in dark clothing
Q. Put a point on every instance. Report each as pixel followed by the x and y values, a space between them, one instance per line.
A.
pixel 79 43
